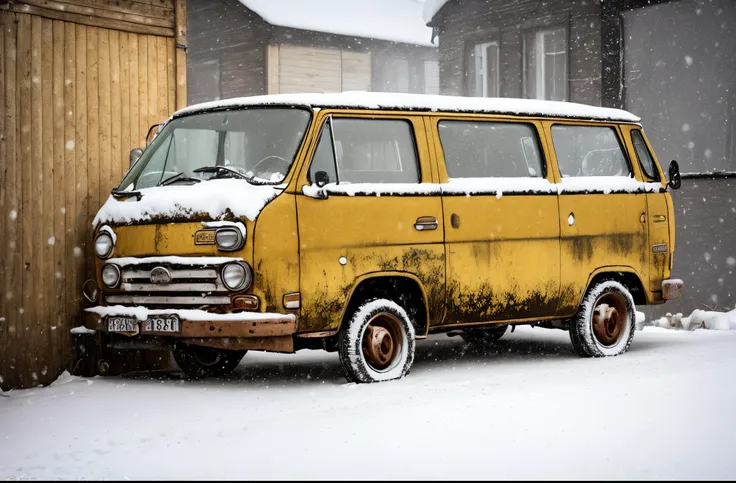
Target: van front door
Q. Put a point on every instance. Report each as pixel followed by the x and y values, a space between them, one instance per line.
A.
pixel 602 209
pixel 500 214
pixel 659 209
pixel 377 216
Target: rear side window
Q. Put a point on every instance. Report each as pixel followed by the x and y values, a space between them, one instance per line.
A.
pixel 480 149
pixel 645 157
pixel 368 151
pixel 589 151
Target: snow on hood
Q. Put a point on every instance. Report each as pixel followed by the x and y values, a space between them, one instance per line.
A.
pixel 213 198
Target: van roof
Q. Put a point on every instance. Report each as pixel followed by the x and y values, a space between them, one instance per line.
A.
pixel 423 102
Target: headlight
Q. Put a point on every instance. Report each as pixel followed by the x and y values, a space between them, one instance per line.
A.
pixel 236 276
pixel 229 239
pixel 110 275
pixel 103 245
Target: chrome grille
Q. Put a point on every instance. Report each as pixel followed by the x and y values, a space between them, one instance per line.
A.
pixel 189 286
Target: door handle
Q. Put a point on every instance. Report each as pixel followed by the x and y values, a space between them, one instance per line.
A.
pixel 659 218
pixel 426 223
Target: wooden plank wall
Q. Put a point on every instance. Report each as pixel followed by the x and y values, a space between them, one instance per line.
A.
pixel 75 97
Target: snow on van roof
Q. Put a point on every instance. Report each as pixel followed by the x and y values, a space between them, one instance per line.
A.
pixel 423 102
pixel 393 20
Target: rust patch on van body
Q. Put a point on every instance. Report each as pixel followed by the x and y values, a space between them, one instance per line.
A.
pixel 484 304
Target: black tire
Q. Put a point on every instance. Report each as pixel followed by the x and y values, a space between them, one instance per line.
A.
pixel 389 329
pixel 199 361
pixel 484 336
pixel 605 322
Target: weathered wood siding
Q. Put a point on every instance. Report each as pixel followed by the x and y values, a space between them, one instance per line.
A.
pixel 79 88
pixel 463 23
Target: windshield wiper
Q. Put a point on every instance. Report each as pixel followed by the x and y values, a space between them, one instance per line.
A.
pixel 119 194
pixel 177 177
pixel 217 170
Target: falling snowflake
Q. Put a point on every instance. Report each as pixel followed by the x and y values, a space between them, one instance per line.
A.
pixel 77 252
pixel 52 241
pixel 13 215
pixel 688 60
pixel 707 256
pixel 70 144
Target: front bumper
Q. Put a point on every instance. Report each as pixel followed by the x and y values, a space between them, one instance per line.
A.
pixel 672 289
pixel 198 323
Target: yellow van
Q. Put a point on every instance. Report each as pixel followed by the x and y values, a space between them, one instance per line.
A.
pixel 362 222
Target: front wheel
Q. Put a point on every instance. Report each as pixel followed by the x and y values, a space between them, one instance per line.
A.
pixel 377 344
pixel 604 324
pixel 199 361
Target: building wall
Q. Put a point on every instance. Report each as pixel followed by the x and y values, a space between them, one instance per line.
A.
pixel 463 23
pixel 233 52
pixel 226 36
pixel 79 88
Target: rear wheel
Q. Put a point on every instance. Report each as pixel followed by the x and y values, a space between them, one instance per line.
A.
pixel 199 361
pixel 377 344
pixel 484 336
pixel 604 324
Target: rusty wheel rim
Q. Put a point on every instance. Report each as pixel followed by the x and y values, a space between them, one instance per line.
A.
pixel 382 342
pixel 610 316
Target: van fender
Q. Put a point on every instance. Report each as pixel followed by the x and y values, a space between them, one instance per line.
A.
pixel 382 274
pixel 614 270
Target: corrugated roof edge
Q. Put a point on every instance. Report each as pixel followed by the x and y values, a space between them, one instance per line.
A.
pixel 423 102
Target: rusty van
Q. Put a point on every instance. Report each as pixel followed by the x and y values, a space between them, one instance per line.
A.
pixel 363 222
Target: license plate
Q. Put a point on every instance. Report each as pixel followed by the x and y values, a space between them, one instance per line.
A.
pixel 121 324
pixel 164 323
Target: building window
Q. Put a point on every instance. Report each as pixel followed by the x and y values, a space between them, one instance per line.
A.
pixel 397 74
pixel 484 65
pixel 431 77
pixel 546 64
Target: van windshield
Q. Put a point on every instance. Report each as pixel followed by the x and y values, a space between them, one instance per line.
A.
pixel 255 144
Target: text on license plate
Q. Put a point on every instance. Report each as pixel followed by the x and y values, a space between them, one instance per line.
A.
pixel 121 324
pixel 166 323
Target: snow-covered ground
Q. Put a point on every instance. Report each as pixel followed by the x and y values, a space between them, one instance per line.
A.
pixel 530 409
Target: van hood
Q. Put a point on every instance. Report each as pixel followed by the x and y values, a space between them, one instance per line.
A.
pixel 215 199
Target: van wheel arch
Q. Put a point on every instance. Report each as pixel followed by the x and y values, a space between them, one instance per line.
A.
pixel 404 289
pixel 626 277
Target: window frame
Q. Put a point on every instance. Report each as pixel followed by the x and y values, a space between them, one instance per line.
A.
pixel 527 50
pixel 536 137
pixel 619 138
pixel 480 77
pixel 329 118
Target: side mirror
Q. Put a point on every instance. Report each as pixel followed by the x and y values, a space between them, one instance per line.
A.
pixel 135 154
pixel 321 178
pixel 675 178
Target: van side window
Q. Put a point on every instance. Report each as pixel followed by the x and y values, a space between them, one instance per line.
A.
pixel 483 149
pixel 323 159
pixel 368 151
pixel 645 158
pixel 589 151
